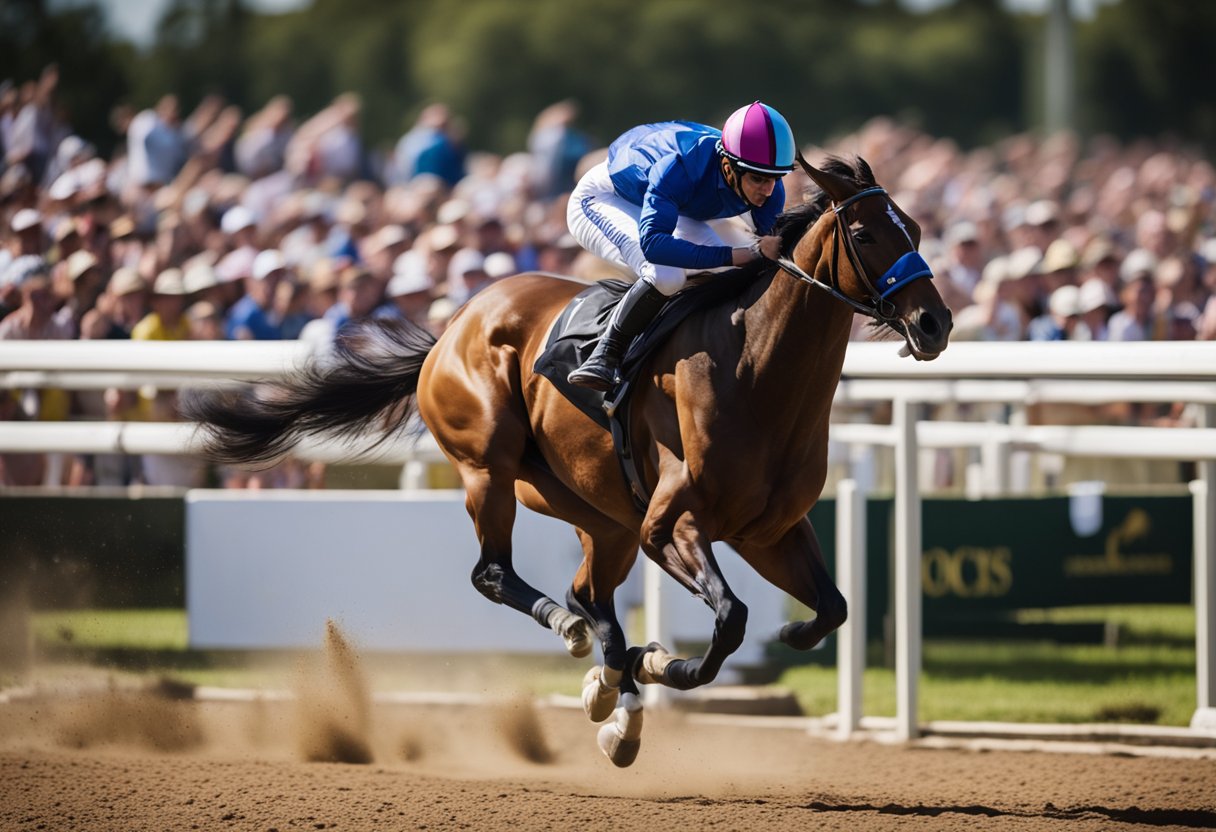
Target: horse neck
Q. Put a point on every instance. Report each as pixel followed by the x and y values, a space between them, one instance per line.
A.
pixel 794 349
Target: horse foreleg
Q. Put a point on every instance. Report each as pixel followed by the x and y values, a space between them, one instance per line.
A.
pixel 795 564
pixel 677 543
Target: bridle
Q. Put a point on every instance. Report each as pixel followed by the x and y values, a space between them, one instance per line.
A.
pixel 911 266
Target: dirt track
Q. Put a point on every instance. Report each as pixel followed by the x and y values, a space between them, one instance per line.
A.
pixel 136 762
pixel 154 759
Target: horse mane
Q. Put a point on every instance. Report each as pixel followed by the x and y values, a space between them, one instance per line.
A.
pixel 793 223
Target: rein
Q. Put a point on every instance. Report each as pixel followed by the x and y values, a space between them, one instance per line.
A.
pixel 907 268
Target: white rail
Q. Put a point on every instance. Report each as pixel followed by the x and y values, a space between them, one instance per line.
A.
pixel 1016 374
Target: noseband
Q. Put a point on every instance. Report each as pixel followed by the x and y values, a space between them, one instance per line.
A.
pixel 911 266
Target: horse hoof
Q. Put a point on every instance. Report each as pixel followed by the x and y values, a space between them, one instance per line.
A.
pixel 578 639
pixel 621 739
pixel 599 699
pixel 621 752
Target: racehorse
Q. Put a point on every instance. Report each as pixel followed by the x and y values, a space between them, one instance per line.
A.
pixel 729 419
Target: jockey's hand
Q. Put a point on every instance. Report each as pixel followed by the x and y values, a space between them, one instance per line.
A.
pixel 770 247
pixel 767 247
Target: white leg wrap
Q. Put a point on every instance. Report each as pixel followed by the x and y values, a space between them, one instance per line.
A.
pixel 621 739
pixel 601 688
pixel 653 668
pixel 573 630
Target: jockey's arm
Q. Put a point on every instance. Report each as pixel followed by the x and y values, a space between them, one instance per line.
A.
pixel 669 187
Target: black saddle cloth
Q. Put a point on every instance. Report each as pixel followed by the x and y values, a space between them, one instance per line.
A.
pixel 582 322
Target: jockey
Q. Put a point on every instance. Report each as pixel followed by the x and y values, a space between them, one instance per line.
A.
pixel 648 209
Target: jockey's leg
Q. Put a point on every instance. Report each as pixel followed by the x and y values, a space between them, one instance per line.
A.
pixel 795 564
pixel 632 314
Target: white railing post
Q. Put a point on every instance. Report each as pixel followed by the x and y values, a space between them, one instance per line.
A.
pixel 851 575
pixel 654 696
pixel 907 571
pixel 1204 491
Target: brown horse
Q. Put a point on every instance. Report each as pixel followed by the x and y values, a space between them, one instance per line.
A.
pixel 729 420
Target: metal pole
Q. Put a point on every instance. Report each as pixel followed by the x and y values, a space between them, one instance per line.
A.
pixel 1058 72
pixel 851 573
pixel 907 572
pixel 1204 491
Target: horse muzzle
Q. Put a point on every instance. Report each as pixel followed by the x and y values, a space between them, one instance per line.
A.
pixel 927 332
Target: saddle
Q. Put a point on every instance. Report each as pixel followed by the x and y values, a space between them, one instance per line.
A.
pixel 578 329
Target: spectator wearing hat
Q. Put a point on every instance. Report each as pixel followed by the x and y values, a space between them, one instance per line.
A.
pixel 1058 323
pixel 305 243
pixel 251 318
pixel 358 296
pixel 410 291
pixel 27 252
pixel 34 319
pixel 291 309
pixel 66 240
pixel 1101 259
pixel 166 321
pixel 78 282
pixel 119 308
pixel 441 242
pixel 965 256
pixel 439 314
pixel 500 264
pixel 1095 300
pixel 1177 281
pixel 1059 266
pixel 1043 221
pixel 466 275
pixel 240 225
pixel 381 249
pixel 201 282
pixel 29 235
pixel 206 321
pixel 993 316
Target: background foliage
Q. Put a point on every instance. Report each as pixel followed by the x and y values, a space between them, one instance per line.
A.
pixel 967 70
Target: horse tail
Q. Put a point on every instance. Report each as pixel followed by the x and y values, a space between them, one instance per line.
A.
pixel 365 385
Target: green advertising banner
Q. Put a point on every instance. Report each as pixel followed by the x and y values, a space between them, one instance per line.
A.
pixel 986 558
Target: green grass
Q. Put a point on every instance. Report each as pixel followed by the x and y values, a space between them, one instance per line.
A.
pixel 1147 677
pixel 124 629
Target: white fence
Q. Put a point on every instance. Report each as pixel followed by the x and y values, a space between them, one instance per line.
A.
pixel 1018 375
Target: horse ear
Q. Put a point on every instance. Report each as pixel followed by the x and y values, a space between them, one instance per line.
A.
pixel 837 187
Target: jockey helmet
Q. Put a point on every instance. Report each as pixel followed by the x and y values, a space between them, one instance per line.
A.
pixel 759 139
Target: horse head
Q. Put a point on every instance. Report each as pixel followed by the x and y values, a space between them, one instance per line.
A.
pixel 864 249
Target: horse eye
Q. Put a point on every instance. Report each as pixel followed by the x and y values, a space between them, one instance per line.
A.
pixel 863 237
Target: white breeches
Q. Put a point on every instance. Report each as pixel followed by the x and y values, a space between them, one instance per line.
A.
pixel 607 226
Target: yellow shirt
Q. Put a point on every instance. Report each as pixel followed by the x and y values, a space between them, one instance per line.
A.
pixel 152 328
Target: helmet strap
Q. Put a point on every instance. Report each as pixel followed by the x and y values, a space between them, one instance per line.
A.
pixel 733 175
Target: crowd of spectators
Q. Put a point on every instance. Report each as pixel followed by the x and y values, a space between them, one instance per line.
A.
pixel 270 225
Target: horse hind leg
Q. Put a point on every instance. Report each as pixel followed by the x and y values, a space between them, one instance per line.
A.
pixel 490 500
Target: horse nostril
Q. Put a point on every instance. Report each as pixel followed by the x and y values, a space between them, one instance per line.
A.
pixel 928 324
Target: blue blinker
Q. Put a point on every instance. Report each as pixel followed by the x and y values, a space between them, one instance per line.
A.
pixel 902 272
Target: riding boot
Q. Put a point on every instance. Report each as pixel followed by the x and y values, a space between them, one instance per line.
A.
pixel 635 310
